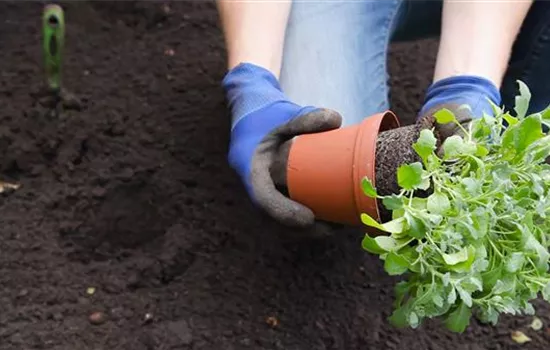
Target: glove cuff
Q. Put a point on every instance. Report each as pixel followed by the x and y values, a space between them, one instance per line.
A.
pixel 464 89
pixel 248 88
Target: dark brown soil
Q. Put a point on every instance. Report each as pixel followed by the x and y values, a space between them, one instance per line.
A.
pixel 393 148
pixel 132 195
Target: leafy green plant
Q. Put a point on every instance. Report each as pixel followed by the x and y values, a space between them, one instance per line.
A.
pixel 478 244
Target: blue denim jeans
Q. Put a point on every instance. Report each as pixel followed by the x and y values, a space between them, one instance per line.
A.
pixel 336 51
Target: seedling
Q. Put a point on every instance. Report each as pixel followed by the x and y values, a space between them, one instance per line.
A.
pixel 478 244
pixel 53 42
pixel 53 22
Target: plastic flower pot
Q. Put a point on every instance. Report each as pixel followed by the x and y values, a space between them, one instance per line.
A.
pixel 324 170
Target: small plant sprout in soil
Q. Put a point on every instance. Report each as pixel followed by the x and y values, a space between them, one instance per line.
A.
pixel 477 244
pixel 54 37
pixel 53 40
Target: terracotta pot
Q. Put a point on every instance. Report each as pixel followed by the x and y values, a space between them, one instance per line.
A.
pixel 324 170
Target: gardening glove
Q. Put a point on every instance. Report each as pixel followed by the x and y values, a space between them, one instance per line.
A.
pixel 453 92
pixel 262 120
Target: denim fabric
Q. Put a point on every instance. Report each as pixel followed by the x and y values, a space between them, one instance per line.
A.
pixel 335 55
pixel 335 52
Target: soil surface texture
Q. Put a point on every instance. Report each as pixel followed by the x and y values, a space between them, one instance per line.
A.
pixel 393 148
pixel 128 229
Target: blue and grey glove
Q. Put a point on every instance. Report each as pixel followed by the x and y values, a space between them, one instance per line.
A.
pixel 453 92
pixel 263 119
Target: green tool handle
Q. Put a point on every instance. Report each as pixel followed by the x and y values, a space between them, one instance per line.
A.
pixel 53 26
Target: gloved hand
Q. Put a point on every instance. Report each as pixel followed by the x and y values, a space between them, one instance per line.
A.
pixel 262 120
pixel 453 92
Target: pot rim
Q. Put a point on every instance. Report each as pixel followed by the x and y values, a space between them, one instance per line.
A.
pixel 365 159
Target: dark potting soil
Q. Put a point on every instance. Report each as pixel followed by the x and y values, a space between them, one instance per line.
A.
pixel 393 148
pixel 132 195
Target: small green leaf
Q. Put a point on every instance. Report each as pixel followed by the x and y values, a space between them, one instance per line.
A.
pixel 459 319
pixel 445 116
pixel 451 297
pixel 469 148
pixel 502 172
pixel 395 264
pixel 409 176
pixel 401 290
pixel 437 300
pixel 393 202
pixel 491 277
pixel 425 184
pixel 515 262
pixel 464 296
pixel 419 203
pixel 370 245
pixel 481 151
pixel 425 144
pixel 438 203
pixel 481 127
pixel 453 146
pixel 368 188
pixel 546 292
pixel 446 279
pixel 480 222
pixel 386 243
pixel 496 109
pixel 413 319
pixel 531 244
pixel 490 315
pixel 518 137
pixel 522 100
pixel 457 257
pixel 472 284
pixel 417 228
pixel 400 317
pixel 538 151
pixel 465 265
pixel 472 185
pixel 545 114
pixel 397 213
pixel 394 226
pixel 504 285
pixel 509 119
pixel 529 309
pixel 369 221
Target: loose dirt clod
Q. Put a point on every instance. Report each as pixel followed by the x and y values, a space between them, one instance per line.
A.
pixel 520 337
pixel 97 318
pixel 393 148
pixel 166 9
pixel 272 321
pixel 536 324
pixel 5 186
pixel 148 318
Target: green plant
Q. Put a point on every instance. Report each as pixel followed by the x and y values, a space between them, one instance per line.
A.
pixel 478 244
pixel 53 31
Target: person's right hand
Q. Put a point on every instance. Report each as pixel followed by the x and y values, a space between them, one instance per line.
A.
pixel 263 118
pixel 452 93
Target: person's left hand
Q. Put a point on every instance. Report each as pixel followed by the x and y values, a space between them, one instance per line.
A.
pixel 452 93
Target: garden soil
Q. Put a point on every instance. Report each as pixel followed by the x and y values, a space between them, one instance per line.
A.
pixel 127 207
